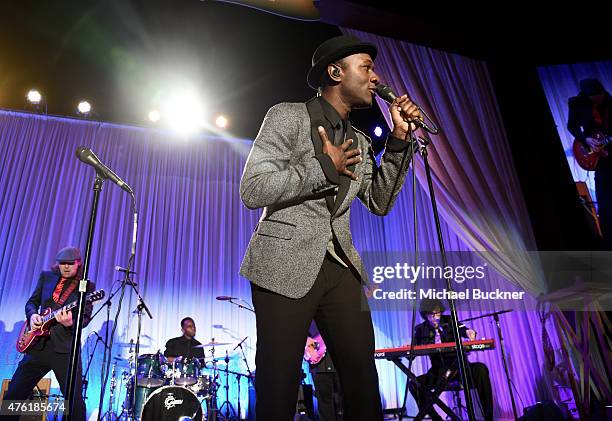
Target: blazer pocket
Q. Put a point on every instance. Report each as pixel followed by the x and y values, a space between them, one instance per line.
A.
pixel 277 229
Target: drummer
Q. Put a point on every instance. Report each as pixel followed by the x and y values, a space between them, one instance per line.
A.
pixel 183 346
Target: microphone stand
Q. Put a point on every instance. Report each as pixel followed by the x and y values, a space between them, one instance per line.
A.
pixel 246 363
pixel 128 279
pixel 141 306
pixel 482 316
pixel 84 381
pixel 230 409
pixel 238 375
pixel 109 340
pixel 231 300
pixel 107 349
pixel 504 361
pixel 461 358
pixel 78 327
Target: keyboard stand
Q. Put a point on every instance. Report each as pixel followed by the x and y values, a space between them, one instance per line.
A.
pixel 433 398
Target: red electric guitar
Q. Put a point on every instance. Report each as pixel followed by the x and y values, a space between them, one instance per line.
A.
pixel 28 337
pixel 588 158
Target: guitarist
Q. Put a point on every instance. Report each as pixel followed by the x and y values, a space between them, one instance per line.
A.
pixel 589 114
pixel 54 289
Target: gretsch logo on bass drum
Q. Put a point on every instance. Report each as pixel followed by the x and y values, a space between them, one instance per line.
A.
pixel 170 402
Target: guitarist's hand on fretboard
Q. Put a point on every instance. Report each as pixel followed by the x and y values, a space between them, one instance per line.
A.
pixel 35 321
pixel 64 317
pixel 595 144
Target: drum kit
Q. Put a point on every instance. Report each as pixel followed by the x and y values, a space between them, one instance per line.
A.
pixel 183 388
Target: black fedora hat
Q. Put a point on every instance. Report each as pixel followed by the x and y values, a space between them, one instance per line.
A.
pixel 334 49
pixel 591 86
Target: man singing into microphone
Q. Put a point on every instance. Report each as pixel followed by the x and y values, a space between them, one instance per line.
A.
pixel 306 166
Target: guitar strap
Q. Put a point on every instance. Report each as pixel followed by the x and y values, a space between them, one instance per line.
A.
pixel 67 292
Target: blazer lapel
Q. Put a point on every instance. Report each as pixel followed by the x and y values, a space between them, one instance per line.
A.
pixel 345 181
pixel 318 119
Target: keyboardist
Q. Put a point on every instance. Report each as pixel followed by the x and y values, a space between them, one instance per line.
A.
pixel 437 328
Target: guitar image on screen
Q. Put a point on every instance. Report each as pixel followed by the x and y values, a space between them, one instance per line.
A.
pixel 588 158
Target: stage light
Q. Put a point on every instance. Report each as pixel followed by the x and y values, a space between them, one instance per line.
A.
pixel 34 97
pixel 221 121
pixel 154 116
pixel 377 131
pixel 84 108
pixel 184 112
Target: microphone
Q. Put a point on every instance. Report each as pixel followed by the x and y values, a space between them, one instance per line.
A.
pixel 120 269
pixel 226 298
pixel 87 156
pixel 387 94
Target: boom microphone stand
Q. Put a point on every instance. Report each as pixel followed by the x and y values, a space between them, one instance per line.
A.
pixel 388 95
pixel 107 349
pixel 102 173
pixel 84 381
pixel 461 358
pixel 78 328
pixel 139 308
pixel 503 353
pixel 230 412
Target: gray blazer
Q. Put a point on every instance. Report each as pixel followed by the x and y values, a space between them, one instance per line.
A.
pixel 284 176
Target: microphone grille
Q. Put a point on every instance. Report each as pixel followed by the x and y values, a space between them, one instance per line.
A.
pixel 385 92
pixel 81 150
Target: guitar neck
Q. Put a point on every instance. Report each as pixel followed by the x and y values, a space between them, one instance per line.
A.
pixel 91 297
pixel 52 315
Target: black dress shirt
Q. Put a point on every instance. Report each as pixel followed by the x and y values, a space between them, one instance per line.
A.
pixel 426 334
pixel 182 346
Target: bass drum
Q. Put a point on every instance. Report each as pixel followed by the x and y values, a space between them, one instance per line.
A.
pixel 172 403
pixel 142 393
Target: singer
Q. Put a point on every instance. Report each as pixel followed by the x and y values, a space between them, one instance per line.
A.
pixel 306 166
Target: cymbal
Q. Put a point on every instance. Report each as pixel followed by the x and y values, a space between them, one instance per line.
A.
pixel 212 343
pixel 130 344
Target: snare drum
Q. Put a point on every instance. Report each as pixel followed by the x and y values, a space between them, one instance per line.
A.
pixel 185 371
pixel 151 370
pixel 172 403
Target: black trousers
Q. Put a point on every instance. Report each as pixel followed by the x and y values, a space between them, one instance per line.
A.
pixel 338 305
pixel 329 398
pixel 480 381
pixel 33 367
